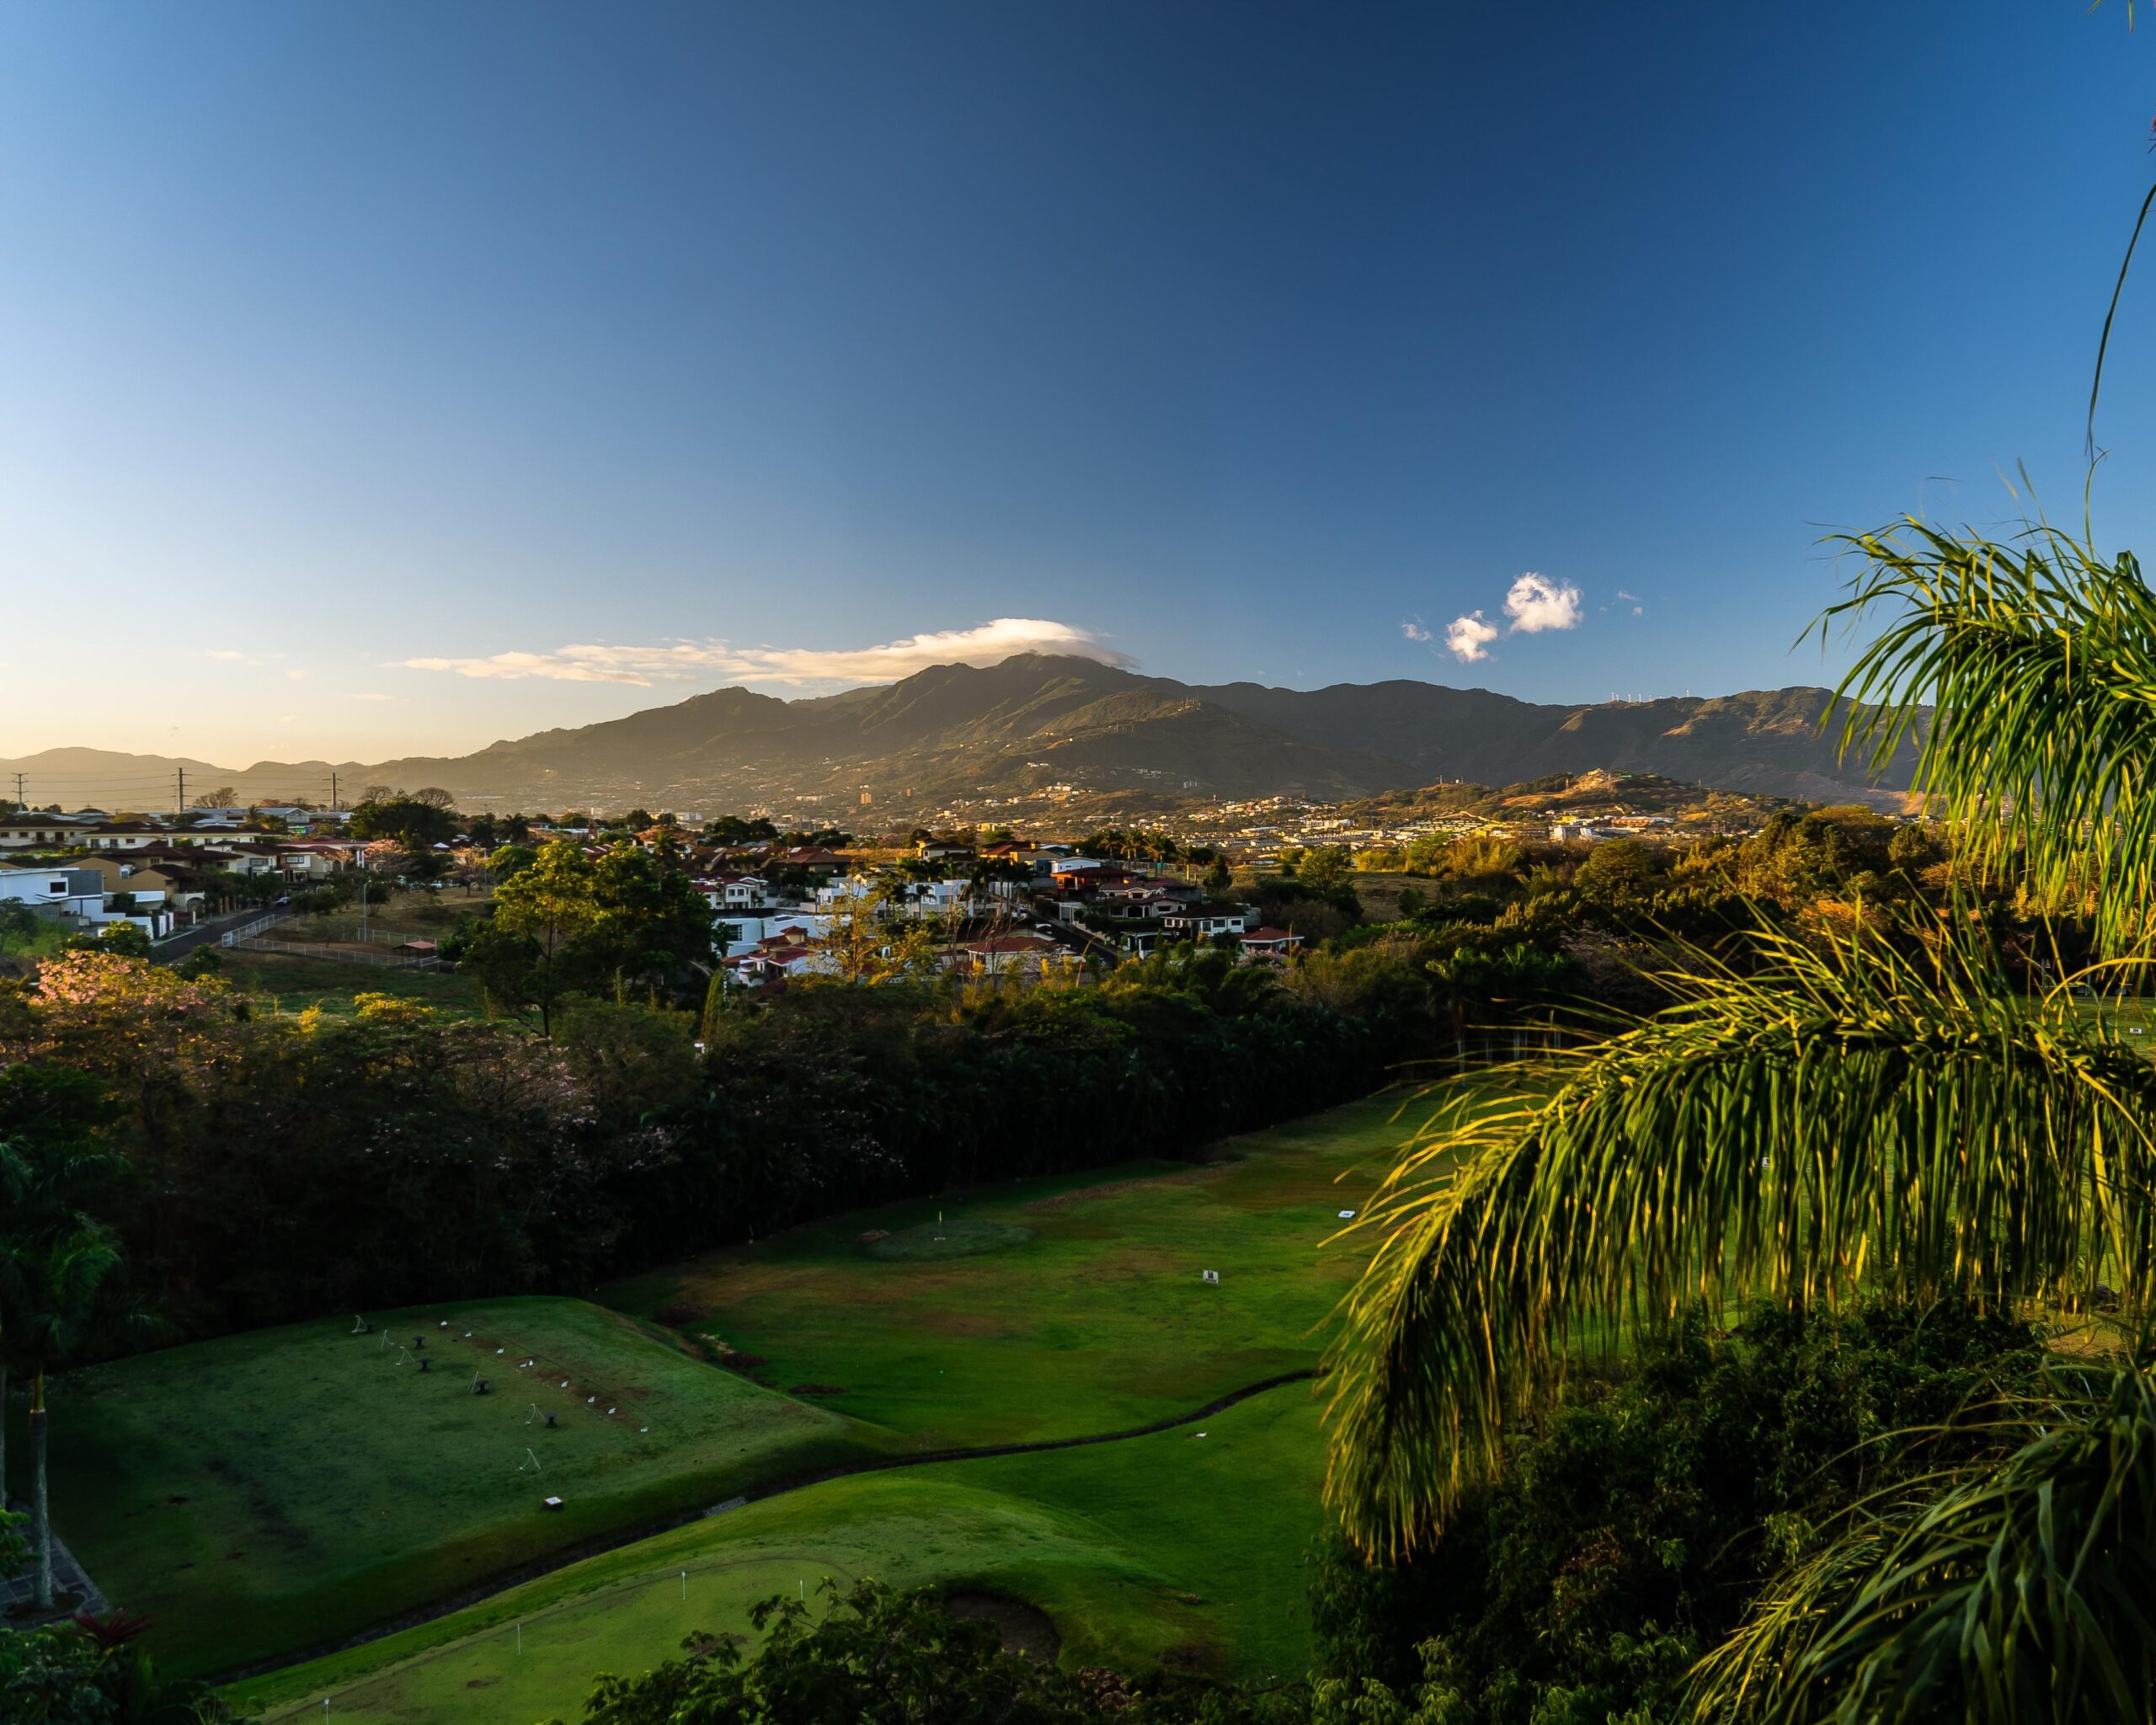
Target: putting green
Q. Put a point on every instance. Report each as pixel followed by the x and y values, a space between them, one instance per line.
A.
pixel 941 1239
pixel 1174 1547
pixel 268 1492
pixel 1101 1321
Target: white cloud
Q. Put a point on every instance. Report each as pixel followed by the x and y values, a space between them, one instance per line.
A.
pixel 227 653
pixel 1413 629
pixel 1622 593
pixel 295 675
pixel 681 661
pixel 1536 603
pixel 1639 611
pixel 1470 638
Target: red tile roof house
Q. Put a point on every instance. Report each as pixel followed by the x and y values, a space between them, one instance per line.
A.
pixel 1269 943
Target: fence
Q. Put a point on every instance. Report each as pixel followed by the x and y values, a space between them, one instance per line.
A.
pixel 247 931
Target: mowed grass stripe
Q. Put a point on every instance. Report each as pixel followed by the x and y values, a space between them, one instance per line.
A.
pixel 1100 1321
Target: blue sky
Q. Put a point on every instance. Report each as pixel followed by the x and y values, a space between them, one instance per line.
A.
pixel 731 343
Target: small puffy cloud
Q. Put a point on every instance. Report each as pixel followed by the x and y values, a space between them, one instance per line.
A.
pixel 1639 611
pixel 1536 603
pixel 1413 629
pixel 680 661
pixel 1622 593
pixel 1469 637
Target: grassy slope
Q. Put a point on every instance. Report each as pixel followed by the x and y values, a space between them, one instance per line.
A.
pixel 1167 1548
pixel 271 1491
pixel 351 1489
pixel 1100 1322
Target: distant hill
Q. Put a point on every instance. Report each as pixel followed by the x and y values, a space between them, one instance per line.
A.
pixel 1034 721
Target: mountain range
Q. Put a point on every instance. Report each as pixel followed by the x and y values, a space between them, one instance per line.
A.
pixel 1064 728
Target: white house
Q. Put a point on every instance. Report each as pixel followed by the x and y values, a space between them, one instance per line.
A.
pixel 1203 922
pixel 62 892
pixel 734 892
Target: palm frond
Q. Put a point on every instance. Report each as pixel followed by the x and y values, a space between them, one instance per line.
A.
pixel 2025 1589
pixel 1847 1117
pixel 2039 660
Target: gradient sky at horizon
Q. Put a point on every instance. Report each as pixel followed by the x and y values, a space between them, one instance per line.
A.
pixel 733 342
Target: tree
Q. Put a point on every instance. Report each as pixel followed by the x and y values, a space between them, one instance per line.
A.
pixel 539 915
pixel 1616 872
pixel 120 938
pixel 224 797
pixel 56 1285
pixel 511 860
pixel 18 926
pixel 1853 1115
pixel 434 797
pixel 876 1654
pixel 414 825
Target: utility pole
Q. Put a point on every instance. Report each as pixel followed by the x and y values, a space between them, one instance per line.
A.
pixel 183 791
pixel 332 793
pixel 19 790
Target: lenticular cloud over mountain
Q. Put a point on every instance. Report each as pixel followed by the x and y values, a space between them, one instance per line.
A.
pixel 985 644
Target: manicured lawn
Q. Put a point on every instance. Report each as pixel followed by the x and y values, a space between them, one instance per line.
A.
pixel 270 1492
pixel 1171 1548
pixel 267 1493
pixel 1086 1312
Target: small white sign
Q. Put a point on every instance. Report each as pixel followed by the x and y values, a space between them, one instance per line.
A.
pixel 1346 1215
pixel 1213 1276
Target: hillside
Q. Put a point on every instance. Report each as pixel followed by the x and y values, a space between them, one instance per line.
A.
pixel 1037 724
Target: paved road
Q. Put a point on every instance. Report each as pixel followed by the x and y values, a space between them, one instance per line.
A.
pixel 203 934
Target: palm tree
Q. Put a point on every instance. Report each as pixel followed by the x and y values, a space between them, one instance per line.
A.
pixel 1909 1119
pixel 40 1186
pixel 57 1287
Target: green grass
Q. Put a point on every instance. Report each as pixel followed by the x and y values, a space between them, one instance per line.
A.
pixel 1101 1321
pixel 1173 1547
pixel 939 1239
pixel 328 1488
pixel 288 984
pixel 270 1492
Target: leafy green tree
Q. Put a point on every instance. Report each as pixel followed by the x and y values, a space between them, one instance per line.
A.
pixel 1615 871
pixel 876 1655
pixel 510 861
pixel 414 825
pixel 18 926
pixel 124 940
pixel 526 955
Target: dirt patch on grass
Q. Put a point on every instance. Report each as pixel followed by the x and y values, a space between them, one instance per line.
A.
pixel 963 1324
pixel 1027 1630
pixel 1084 1195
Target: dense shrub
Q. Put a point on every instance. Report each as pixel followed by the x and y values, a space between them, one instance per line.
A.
pixel 1632 1529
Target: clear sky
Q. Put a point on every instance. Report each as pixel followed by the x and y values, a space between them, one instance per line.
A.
pixel 354 356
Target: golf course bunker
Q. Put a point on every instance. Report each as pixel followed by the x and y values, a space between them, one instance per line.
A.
pixel 1027 1630
pixel 938 1240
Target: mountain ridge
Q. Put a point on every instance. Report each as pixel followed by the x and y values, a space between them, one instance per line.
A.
pixel 1035 722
